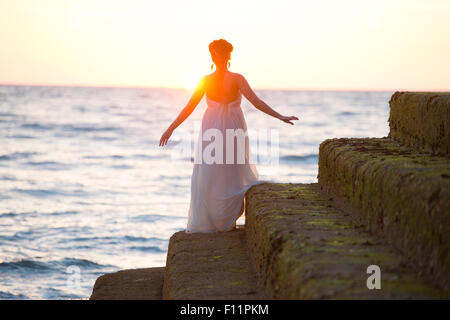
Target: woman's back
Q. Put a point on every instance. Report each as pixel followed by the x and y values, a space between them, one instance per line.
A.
pixel 222 87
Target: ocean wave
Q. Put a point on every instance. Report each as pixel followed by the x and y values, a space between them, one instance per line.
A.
pixel 62 213
pixel 8 215
pixel 20 136
pixel 7 178
pixel 146 156
pixel 153 217
pixel 78 128
pixel 121 157
pixel 53 293
pixel 143 239
pixel 122 167
pixel 23 265
pixel 296 158
pixel 29 234
pixel 116 240
pixel 97 138
pixel 114 156
pixel 17 155
pixel 80 263
pixel 37 192
pixel 14 238
pixel 48 165
pixel 26 265
pixel 148 249
pixel 316 124
pixel 4 197
pixel 348 113
pixel 38 126
pixel 69 127
pixel 35 213
pixel 43 163
pixel 49 192
pixel 7 114
pixel 95 239
pixel 11 296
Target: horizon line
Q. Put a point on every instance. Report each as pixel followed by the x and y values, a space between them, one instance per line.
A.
pixel 185 89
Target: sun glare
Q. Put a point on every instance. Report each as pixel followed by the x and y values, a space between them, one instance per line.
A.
pixel 375 44
pixel 192 81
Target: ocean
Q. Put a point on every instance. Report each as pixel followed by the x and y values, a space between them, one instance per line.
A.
pixel 86 190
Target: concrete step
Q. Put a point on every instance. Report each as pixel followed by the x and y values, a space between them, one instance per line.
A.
pixel 421 120
pixel 397 193
pixel 134 284
pixel 210 266
pixel 304 248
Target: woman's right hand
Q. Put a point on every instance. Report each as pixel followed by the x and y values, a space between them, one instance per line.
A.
pixel 165 137
pixel 288 119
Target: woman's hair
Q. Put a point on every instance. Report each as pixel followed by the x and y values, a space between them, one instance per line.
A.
pixel 221 48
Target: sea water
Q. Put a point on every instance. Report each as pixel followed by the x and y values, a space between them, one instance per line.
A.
pixel 85 189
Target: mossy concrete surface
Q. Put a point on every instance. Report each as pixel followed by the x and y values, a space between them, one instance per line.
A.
pixel 421 120
pixel 133 284
pixel 210 266
pixel 304 248
pixel 397 193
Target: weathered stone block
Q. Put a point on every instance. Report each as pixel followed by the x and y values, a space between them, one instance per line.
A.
pixel 304 248
pixel 210 266
pixel 421 120
pixel 133 284
pixel 396 192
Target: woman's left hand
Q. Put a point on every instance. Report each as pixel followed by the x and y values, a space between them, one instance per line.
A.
pixel 165 137
pixel 288 119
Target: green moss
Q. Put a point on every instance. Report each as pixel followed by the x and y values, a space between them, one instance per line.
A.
pixel 421 121
pixel 306 249
pixel 412 287
pixel 382 257
pixel 329 223
pixel 401 194
pixel 326 287
pixel 351 240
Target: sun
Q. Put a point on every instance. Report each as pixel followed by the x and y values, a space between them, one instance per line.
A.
pixel 192 81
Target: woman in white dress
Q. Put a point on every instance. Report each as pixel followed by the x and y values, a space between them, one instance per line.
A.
pixel 223 171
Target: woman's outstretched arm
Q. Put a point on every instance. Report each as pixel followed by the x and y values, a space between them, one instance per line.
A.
pixel 244 87
pixel 186 112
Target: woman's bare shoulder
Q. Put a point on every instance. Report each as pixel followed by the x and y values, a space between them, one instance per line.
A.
pixel 238 77
pixel 206 79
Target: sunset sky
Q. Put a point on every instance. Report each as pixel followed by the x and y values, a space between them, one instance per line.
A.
pixel 347 44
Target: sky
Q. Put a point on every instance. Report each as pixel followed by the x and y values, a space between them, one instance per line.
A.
pixel 280 44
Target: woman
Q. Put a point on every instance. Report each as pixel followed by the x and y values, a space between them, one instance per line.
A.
pixel 221 178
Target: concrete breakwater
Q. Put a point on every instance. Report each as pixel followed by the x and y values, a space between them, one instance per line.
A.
pixel 381 202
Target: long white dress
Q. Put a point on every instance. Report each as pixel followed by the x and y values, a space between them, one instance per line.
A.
pixel 218 187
